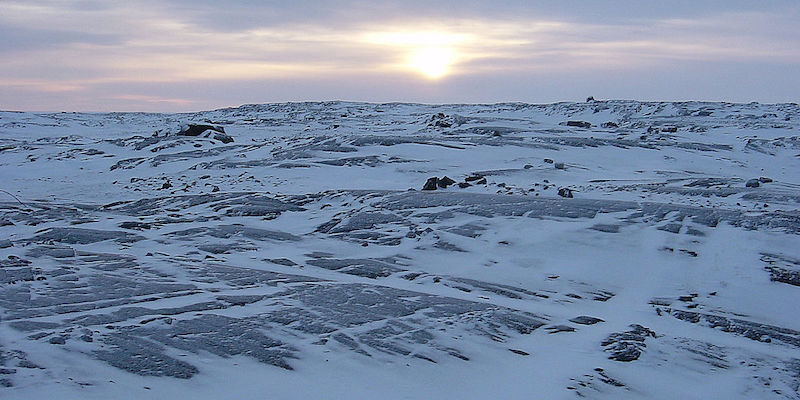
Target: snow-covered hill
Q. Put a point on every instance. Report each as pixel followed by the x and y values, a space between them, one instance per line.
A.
pixel 610 249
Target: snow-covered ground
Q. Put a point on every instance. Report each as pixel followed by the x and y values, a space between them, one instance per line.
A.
pixel 303 260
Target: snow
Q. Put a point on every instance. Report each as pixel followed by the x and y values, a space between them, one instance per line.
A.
pixel 303 260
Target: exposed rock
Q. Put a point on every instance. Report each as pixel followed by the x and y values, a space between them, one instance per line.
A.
pixel 441 120
pixel 198 129
pixel 464 185
pixel 752 183
pixel 579 124
pixel 565 192
pixel 282 261
pixel 752 330
pixel 560 165
pixel 610 124
pixel 560 328
pixel 473 178
pixel 57 340
pixel 778 274
pixel 586 320
pixel 764 179
pixel 135 225
pixel 445 181
pixel 223 138
pixel 431 183
pixel 627 346
pixel 83 236
pixel 608 228
pixel 548 161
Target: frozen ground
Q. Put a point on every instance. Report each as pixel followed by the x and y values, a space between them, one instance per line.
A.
pixel 301 259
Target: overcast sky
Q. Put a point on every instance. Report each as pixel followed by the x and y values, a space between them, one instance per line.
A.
pixel 188 55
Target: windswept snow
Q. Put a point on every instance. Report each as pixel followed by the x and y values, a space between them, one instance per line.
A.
pixel 608 249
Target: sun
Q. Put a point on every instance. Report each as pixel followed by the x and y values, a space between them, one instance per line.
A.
pixel 430 53
pixel 433 62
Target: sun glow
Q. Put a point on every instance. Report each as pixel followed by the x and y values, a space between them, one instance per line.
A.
pixel 433 62
pixel 429 53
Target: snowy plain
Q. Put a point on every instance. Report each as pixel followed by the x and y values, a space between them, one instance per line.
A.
pixel 608 249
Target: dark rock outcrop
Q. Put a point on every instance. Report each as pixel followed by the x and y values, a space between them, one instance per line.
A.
pixel 586 320
pixel 445 181
pixel 627 346
pixel 199 129
pixel 223 138
pixel 579 124
pixel 431 183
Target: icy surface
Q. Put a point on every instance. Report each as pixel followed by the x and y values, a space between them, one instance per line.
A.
pixel 612 249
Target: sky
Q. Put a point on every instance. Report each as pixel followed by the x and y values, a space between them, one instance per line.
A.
pixel 191 55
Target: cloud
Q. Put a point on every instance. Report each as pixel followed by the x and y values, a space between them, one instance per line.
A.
pixel 114 49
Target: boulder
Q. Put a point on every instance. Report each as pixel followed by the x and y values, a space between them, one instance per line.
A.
pixel 586 320
pixel 579 124
pixel 198 129
pixel 57 340
pixel 223 138
pixel 560 328
pixel 445 181
pixel 752 183
pixel 565 192
pixel 627 346
pixel 431 183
